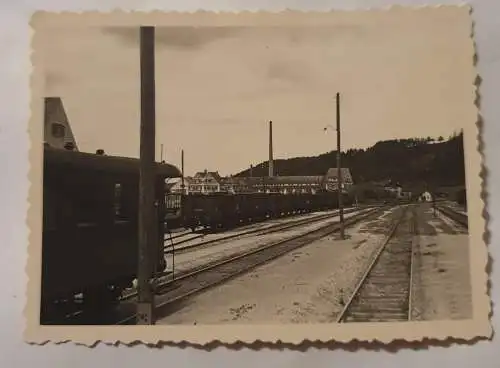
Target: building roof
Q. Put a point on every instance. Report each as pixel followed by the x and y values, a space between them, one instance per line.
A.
pixel 178 182
pixel 234 180
pixel 202 174
pixel 332 172
pixel 286 180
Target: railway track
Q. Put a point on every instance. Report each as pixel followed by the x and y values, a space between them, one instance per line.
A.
pixel 254 231
pixel 180 239
pixel 208 276
pixel 164 277
pixel 384 290
pixel 458 217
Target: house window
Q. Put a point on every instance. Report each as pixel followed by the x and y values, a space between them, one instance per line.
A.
pixel 58 130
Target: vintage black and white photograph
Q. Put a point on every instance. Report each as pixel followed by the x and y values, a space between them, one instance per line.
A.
pixel 259 171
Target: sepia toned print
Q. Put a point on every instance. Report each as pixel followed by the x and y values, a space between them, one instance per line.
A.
pixel 221 177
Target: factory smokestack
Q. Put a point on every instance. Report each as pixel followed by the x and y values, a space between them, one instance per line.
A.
pixel 271 161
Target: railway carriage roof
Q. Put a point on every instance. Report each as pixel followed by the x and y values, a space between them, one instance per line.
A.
pixel 83 160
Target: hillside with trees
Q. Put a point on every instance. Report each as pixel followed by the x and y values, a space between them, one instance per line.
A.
pixel 415 163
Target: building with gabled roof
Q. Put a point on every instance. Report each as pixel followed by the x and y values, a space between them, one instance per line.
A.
pixel 57 129
pixel 331 179
pixel 205 182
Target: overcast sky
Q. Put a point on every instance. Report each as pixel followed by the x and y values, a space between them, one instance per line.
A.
pixel 217 88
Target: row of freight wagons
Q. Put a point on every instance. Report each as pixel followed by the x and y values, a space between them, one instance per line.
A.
pixel 220 210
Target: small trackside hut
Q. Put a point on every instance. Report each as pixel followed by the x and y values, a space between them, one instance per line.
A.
pixel 90 227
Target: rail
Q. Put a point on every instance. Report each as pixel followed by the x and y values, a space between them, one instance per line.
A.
pixel 458 217
pixel 386 269
pixel 256 231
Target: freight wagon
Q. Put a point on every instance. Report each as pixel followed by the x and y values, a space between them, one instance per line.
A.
pixel 221 210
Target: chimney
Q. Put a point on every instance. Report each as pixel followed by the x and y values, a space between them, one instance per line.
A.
pixel 271 162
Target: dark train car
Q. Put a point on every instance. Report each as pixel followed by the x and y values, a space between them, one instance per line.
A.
pixel 279 206
pixel 90 225
pixel 222 210
pixel 208 210
pixel 254 207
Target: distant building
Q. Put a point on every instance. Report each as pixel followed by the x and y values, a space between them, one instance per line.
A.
pixel 57 130
pixel 235 185
pixel 287 184
pixel 177 186
pixel 395 189
pixel 405 195
pixel 426 197
pixel 331 179
pixel 205 182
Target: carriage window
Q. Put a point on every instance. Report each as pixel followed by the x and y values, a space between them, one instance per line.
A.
pixel 118 197
pixel 58 130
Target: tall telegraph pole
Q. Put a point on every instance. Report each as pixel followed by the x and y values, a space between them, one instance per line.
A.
pixel 147 240
pixel 339 172
pixel 182 170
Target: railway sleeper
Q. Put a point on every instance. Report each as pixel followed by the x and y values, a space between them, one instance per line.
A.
pixel 377 317
pixel 377 299
pixel 387 281
pixel 379 313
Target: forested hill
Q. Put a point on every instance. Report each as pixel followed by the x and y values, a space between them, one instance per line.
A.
pixel 435 162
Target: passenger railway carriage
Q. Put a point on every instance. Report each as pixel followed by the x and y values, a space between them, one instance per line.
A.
pixel 90 225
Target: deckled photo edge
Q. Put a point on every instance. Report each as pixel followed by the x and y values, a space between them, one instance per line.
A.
pixel 34 333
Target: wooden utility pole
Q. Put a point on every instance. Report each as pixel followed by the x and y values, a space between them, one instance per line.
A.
pixel 182 169
pixel 271 155
pixel 339 172
pixel 147 216
pixel 161 152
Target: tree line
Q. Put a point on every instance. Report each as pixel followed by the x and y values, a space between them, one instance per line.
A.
pixel 413 162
